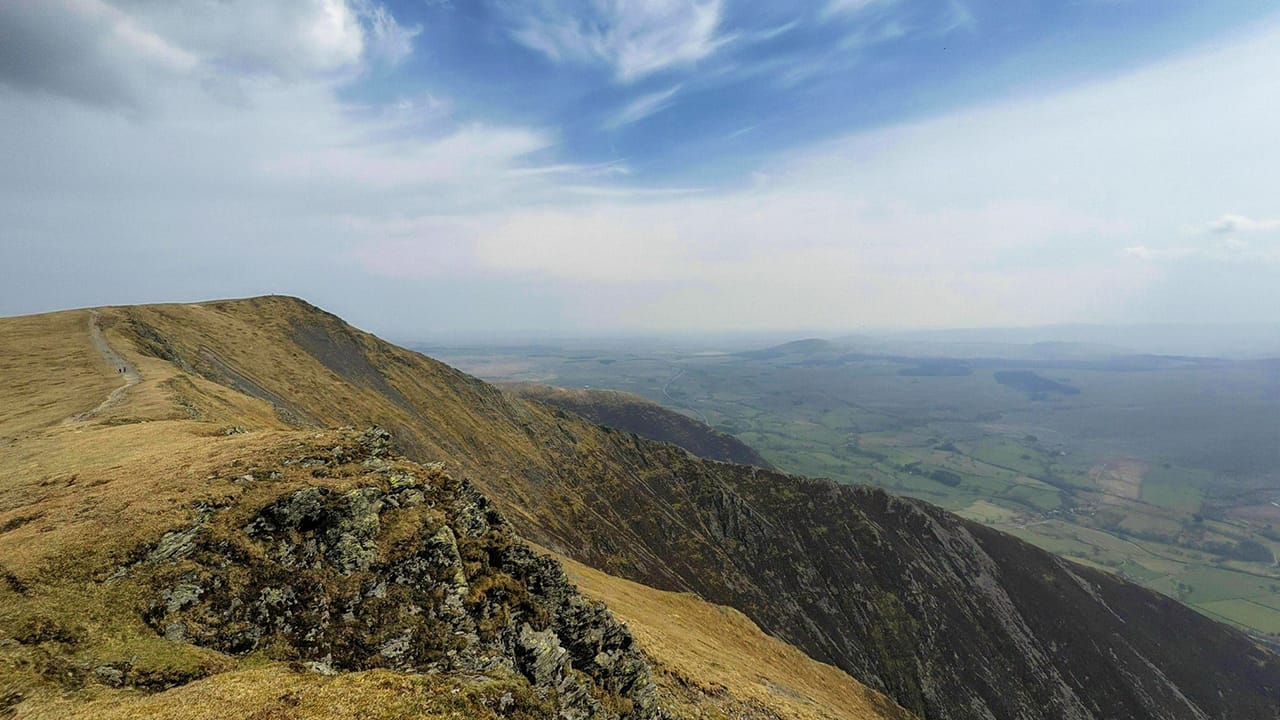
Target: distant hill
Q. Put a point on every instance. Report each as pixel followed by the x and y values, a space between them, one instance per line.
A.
pixel 196 528
pixel 1032 383
pixel 922 346
pixel 645 418
pixel 811 346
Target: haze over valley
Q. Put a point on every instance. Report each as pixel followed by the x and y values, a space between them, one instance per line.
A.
pixel 1160 468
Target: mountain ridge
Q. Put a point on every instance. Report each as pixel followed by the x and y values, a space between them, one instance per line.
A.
pixel 950 619
pixel 633 413
pixel 142 551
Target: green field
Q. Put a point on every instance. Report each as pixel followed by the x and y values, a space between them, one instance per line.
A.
pixel 1157 469
pixel 1247 613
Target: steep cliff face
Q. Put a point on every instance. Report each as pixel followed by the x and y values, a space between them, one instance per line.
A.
pixel 957 620
pixel 952 620
pixel 388 564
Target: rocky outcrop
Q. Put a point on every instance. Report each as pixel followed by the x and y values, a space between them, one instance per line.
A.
pixel 395 565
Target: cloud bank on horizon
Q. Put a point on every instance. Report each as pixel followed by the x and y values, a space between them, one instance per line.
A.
pixel 427 167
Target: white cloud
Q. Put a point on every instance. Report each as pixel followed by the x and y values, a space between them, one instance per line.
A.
pixel 1150 254
pixel 875 22
pixel 1227 252
pixel 444 163
pixel 1039 209
pixel 115 53
pixel 282 38
pixel 1241 224
pixel 1036 210
pixel 959 17
pixel 642 107
pixel 769 33
pixel 388 40
pixel 818 257
pixel 202 195
pixel 1228 239
pixel 84 49
pixel 634 38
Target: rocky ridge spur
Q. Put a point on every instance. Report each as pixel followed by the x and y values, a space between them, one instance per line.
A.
pixel 394 565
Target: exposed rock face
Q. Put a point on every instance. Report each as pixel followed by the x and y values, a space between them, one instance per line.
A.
pixel 951 619
pixel 399 566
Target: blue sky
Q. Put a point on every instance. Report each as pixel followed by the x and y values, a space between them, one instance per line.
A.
pixel 678 100
pixel 436 168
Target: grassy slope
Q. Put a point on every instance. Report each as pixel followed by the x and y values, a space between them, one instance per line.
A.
pixel 713 650
pixel 645 418
pixel 50 371
pixel 78 498
pixel 275 692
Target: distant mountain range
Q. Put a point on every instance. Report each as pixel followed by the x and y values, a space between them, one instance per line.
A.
pixel 1203 340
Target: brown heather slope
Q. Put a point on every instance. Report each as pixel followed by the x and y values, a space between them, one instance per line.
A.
pixel 186 554
pixel 709 650
pixel 632 413
pixel 952 620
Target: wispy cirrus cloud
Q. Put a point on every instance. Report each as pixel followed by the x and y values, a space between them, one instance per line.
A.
pixel 385 37
pixel 952 220
pixel 958 16
pixel 632 38
pixel 837 8
pixel 642 107
pixel 873 22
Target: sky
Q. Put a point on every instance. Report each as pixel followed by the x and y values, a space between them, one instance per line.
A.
pixel 433 168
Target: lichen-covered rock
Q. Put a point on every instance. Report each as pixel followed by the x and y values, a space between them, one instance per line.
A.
pixel 408 569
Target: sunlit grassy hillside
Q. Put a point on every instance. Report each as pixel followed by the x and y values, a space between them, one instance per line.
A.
pixel 90 491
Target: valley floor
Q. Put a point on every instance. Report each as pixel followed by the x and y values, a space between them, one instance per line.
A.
pixel 1162 471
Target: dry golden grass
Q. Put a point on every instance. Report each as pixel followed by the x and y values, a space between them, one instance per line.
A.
pixel 78 497
pixel 53 373
pixel 97 488
pixel 50 371
pixel 101 485
pixel 274 692
pixel 256 338
pixel 727 659
pixel 447 415
pixel 79 493
pixel 78 502
pixel 81 501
